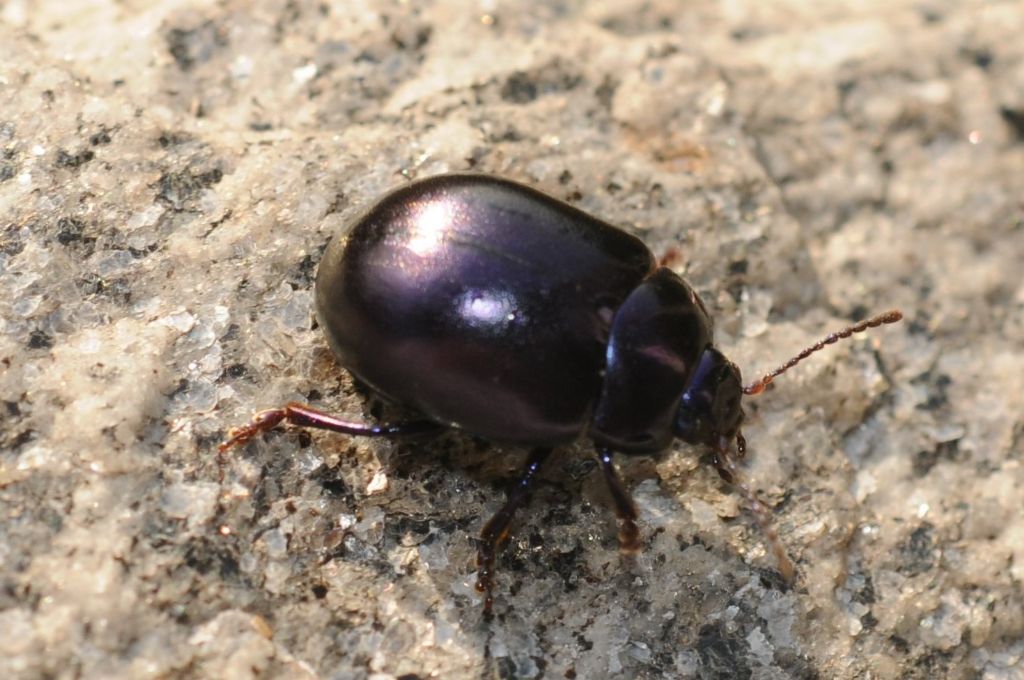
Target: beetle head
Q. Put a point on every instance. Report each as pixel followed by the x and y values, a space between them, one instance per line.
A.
pixel 709 409
pixel 710 413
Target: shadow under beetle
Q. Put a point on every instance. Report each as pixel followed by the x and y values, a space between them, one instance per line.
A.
pixel 490 307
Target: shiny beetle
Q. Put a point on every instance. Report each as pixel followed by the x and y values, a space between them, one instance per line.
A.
pixel 487 306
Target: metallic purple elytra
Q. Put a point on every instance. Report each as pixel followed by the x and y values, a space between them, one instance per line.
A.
pixel 487 306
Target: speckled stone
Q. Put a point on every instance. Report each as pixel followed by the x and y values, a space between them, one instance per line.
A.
pixel 171 171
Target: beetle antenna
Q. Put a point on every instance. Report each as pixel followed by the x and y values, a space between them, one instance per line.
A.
pixel 758 386
pixel 730 472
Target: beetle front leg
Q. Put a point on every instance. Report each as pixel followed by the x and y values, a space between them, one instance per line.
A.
pixel 302 415
pixel 730 472
pixel 625 508
pixel 495 531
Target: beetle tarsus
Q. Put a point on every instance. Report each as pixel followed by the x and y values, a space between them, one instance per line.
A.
pixel 261 422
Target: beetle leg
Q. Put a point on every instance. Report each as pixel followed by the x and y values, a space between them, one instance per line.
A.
pixel 728 471
pixel 306 416
pixel 625 508
pixel 496 529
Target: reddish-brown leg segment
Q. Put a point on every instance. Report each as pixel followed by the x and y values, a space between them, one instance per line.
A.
pixel 307 416
pixel 625 508
pixel 495 531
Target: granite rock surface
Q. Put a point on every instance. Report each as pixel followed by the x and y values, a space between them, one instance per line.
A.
pixel 171 171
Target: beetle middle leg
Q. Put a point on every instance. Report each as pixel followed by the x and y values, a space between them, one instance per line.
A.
pixel 496 530
pixel 302 415
pixel 625 508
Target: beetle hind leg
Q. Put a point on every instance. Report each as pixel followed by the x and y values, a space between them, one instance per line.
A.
pixel 495 531
pixel 302 415
pixel 625 508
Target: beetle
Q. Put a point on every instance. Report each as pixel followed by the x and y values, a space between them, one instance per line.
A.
pixel 487 306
